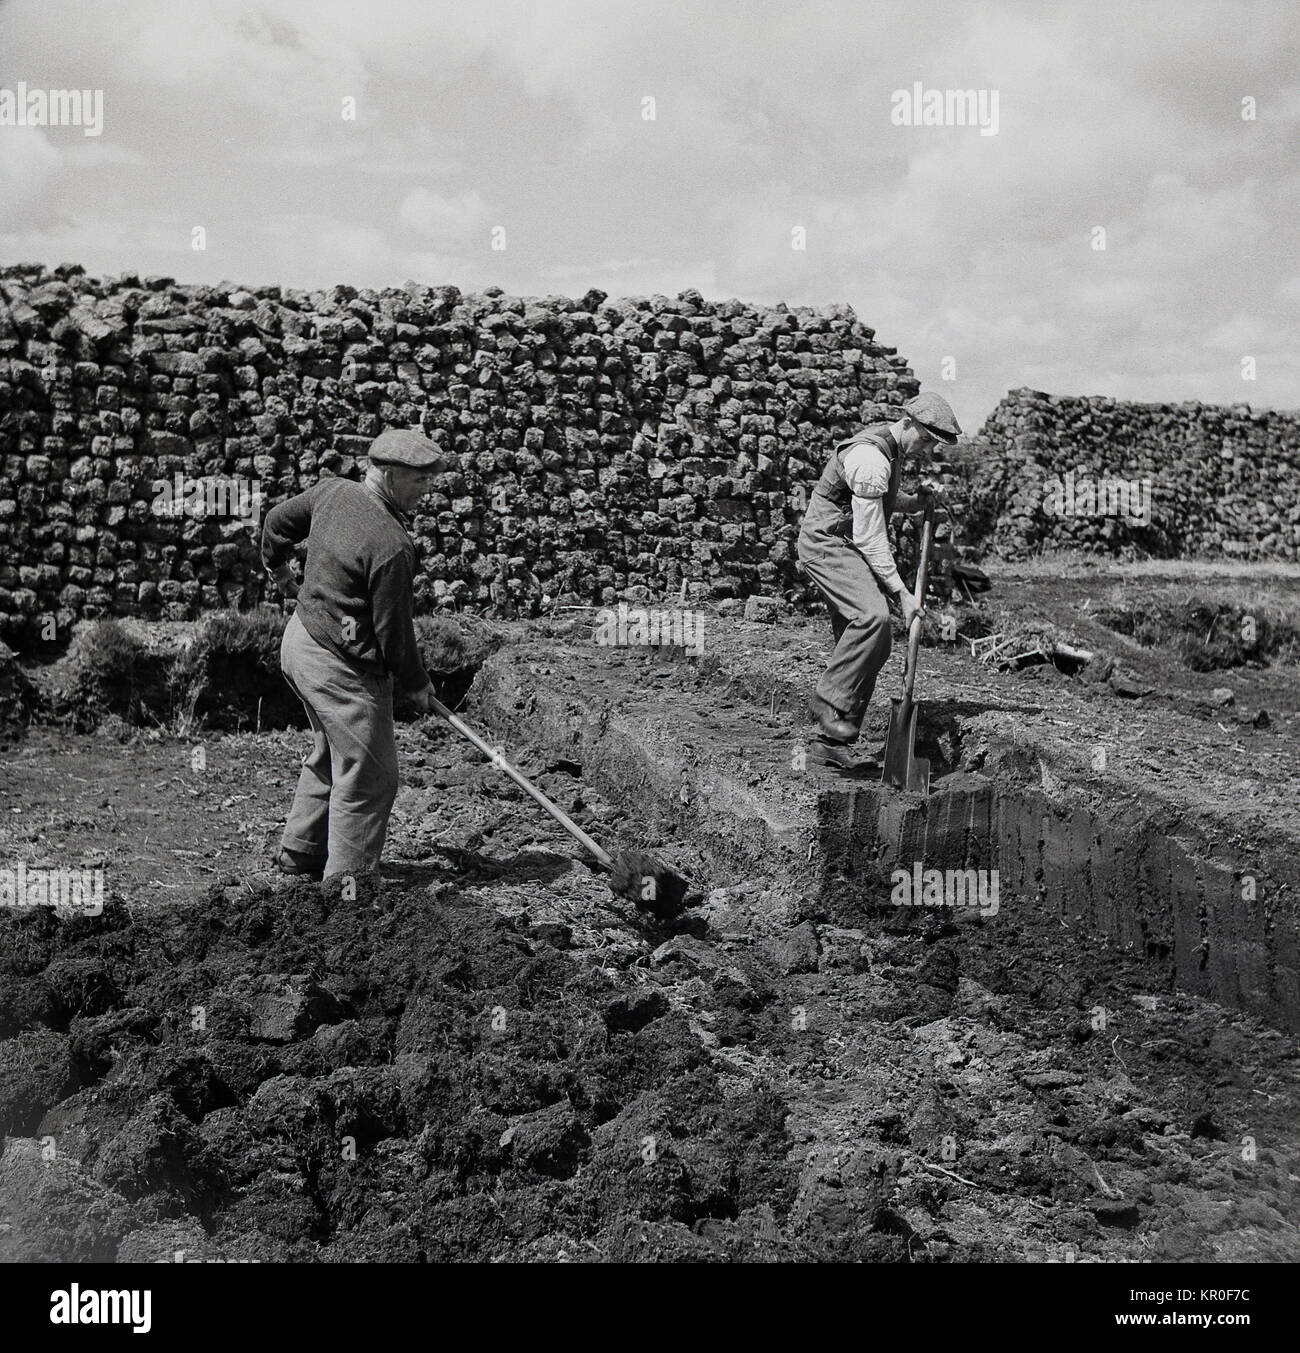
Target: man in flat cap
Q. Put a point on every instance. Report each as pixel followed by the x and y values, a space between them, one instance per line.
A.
pixel 844 548
pixel 350 640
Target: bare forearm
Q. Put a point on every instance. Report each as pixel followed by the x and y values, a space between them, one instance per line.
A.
pixel 872 540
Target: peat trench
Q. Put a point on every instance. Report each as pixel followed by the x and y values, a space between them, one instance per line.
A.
pixel 739 783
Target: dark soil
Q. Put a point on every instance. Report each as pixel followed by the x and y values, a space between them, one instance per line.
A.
pixel 417 1077
pixel 494 1058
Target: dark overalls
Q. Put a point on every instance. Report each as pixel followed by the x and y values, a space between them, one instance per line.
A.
pixel 859 614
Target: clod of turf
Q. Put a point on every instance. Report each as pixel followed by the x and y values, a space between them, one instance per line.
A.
pixel 451 655
pixel 650 884
pixel 19 699
pixel 1207 635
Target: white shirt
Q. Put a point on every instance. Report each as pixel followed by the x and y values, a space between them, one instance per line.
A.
pixel 867 470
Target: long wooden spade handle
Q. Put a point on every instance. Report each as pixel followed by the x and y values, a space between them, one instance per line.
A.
pixel 526 785
pixel 918 595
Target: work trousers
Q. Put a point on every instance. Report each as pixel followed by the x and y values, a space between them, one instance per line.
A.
pixel 859 620
pixel 348 782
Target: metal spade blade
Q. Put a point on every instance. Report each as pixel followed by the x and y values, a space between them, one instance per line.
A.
pixel 903 768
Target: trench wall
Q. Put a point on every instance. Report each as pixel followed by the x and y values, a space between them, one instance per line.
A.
pixel 1225 936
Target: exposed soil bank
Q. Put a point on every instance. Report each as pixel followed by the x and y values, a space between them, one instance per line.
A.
pixel 661 735
pixel 222 672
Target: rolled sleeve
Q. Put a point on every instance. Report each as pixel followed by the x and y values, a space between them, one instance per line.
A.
pixel 867 470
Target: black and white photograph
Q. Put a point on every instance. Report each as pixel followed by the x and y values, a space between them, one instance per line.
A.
pixel 649 632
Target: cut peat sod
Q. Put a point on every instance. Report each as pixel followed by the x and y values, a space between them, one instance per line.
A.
pixel 637 877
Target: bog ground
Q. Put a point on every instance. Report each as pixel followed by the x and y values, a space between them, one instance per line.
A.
pixel 491 1057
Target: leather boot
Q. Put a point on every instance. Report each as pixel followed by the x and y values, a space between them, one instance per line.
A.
pixel 835 726
pixel 295 863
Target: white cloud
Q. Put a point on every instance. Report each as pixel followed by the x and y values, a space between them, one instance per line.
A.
pixel 29 166
pixel 768 115
pixel 444 219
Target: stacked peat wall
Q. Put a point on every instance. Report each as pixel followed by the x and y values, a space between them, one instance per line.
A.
pixel 604 448
pixel 1160 480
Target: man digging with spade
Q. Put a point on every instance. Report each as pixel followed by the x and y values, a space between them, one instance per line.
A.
pixel 350 640
pixel 844 549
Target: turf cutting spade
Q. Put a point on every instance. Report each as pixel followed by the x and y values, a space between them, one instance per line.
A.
pixel 903 768
pixel 641 879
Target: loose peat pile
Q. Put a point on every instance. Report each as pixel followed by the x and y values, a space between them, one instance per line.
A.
pixel 267 1076
pixel 275 1074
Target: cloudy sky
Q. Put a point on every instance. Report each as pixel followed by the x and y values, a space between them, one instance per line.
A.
pixel 528 124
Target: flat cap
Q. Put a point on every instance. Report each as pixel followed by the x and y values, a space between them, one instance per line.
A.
pixel 934 415
pixel 405 446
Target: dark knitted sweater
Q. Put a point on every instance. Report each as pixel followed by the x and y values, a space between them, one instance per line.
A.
pixel 356 596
